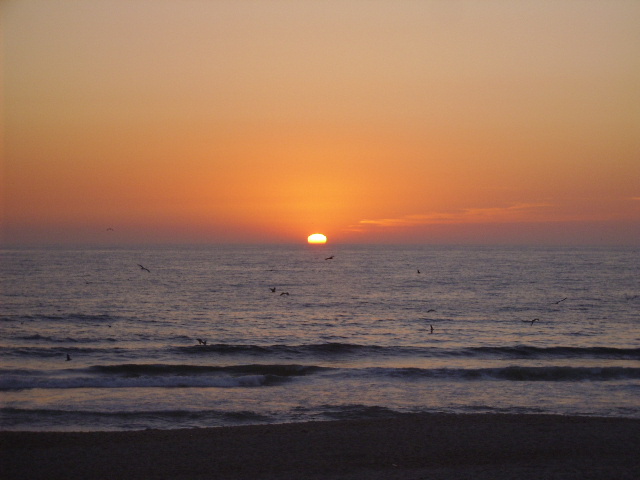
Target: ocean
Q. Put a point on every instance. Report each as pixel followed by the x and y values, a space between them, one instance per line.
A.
pixel 90 340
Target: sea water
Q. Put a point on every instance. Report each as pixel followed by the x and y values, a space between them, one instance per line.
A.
pixel 373 331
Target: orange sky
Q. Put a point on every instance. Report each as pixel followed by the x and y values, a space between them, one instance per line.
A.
pixel 370 121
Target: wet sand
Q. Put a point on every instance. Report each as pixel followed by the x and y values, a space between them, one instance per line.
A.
pixel 430 446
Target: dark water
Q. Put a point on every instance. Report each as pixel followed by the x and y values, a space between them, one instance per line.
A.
pixel 351 339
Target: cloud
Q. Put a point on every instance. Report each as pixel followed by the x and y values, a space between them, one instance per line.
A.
pixel 521 212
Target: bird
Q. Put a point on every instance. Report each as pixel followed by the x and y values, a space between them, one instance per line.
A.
pixel 68 357
pixel 530 321
pixel 144 268
pixel 110 229
pixel 560 300
pixel 418 270
pixel 431 310
pixel 201 342
pixel 273 290
pixel 284 293
pixel 329 258
pixel 431 326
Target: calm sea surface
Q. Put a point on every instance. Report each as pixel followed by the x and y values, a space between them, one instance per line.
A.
pixel 352 338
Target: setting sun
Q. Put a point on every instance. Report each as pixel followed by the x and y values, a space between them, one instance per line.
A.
pixel 317 238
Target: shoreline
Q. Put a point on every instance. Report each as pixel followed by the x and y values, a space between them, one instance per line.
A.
pixel 413 446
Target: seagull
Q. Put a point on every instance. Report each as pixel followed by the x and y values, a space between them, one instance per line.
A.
pixel 431 328
pixel 201 342
pixel 329 258
pixel 431 310
pixel 560 300
pixel 144 268
pixel 418 270
pixel 530 321
pixel 273 290
pixel 68 357
pixel 284 293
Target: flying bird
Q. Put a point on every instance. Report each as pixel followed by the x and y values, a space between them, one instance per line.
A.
pixel 201 342
pixel 431 328
pixel 273 290
pixel 418 270
pixel 559 301
pixel 531 322
pixel 68 357
pixel 431 310
pixel 284 293
pixel 329 258
pixel 144 268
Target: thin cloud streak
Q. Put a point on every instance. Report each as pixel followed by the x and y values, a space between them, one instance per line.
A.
pixel 521 212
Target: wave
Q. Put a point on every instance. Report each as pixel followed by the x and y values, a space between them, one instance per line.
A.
pixel 157 376
pixel 348 412
pixel 58 351
pixel 51 339
pixel 168 369
pixel 18 418
pixel 22 383
pixel 195 376
pixel 527 351
pixel 170 413
pixel 337 349
pixel 314 349
pixel 513 373
pixel 61 346
pixel 324 349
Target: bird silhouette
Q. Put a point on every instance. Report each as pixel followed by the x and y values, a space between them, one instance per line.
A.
pixel 273 290
pixel 530 322
pixel 144 268
pixel 201 342
pixel 559 301
pixel 284 293
pixel 329 258
pixel 68 357
pixel 431 326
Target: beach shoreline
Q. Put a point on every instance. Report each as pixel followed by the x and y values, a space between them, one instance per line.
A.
pixel 420 446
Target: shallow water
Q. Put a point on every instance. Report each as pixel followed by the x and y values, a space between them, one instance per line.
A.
pixel 351 339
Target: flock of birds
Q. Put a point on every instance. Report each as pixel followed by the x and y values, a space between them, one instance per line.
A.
pixel 285 293
pixel 431 328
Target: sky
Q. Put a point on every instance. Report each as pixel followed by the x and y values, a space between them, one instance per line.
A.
pixel 370 121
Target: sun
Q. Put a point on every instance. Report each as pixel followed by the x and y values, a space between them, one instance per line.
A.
pixel 316 239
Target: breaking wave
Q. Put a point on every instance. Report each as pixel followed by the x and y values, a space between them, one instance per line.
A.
pixel 158 376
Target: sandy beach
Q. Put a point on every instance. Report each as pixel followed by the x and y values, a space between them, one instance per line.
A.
pixel 409 447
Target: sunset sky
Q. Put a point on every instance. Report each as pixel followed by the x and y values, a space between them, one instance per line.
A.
pixel 371 121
